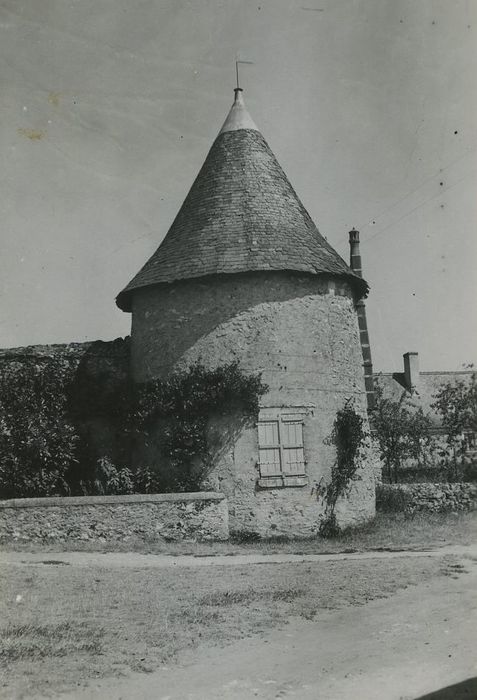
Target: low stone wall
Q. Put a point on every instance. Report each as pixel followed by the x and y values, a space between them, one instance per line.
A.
pixel 162 517
pixel 437 497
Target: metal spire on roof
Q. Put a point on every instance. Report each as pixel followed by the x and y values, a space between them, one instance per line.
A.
pixel 237 70
pixel 238 117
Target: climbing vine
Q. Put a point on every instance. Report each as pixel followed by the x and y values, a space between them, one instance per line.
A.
pixel 348 437
pixel 178 410
pixel 73 430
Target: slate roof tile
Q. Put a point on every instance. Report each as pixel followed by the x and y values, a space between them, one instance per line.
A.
pixel 241 215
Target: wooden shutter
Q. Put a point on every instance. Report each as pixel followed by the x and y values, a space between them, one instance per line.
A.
pixel 293 455
pixel 269 448
pixel 281 451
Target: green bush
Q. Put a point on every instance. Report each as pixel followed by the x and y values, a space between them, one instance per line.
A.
pixel 109 480
pixel 50 410
pixel 392 500
pixel 402 432
pixel 244 537
pixel 37 440
pixel 456 403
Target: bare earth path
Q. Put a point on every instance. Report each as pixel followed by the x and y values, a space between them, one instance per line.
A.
pixel 147 561
pixel 414 642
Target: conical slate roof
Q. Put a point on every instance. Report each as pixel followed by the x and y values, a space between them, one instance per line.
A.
pixel 241 215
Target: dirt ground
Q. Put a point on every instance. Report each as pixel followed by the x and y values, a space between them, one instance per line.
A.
pixel 70 619
pixel 420 640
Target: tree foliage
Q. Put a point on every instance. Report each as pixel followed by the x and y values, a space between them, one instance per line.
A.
pixel 456 403
pixel 111 480
pixel 48 413
pixel 401 429
pixel 37 440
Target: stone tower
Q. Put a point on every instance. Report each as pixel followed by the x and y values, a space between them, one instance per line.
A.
pixel 244 275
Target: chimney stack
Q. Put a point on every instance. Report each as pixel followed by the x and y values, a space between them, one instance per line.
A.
pixel 411 370
pixel 355 264
pixel 354 254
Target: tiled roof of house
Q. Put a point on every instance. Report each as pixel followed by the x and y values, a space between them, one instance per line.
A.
pixel 241 215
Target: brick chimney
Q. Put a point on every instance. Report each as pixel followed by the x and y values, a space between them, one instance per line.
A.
pixel 355 264
pixel 354 254
pixel 411 370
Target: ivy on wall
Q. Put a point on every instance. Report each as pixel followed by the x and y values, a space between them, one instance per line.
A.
pixel 180 408
pixel 348 437
pixel 70 428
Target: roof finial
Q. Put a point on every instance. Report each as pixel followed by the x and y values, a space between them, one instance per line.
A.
pixel 237 71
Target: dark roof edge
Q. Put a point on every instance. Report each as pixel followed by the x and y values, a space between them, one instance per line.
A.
pixel 437 372
pixel 359 285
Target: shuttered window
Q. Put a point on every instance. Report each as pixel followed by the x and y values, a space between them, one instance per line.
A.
pixel 281 451
pixel 269 448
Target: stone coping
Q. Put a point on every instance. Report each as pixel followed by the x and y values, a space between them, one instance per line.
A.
pixel 66 501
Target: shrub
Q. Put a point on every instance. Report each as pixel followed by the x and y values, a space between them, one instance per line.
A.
pixel 37 440
pixel 109 480
pixel 146 480
pixel 457 405
pixel 392 499
pixel 402 431
pixel 50 412
pixel 244 537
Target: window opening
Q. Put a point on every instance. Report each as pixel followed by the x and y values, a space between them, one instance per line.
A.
pixel 281 451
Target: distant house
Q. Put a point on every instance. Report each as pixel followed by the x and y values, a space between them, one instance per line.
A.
pixel 419 387
pixel 419 390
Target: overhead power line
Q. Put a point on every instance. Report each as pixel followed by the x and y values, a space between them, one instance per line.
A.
pixel 413 191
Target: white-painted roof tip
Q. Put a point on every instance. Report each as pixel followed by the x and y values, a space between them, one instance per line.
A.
pixel 238 117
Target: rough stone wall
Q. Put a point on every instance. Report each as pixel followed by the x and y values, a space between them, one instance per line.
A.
pixel 426 497
pixel 166 517
pixel 301 332
pixel 110 356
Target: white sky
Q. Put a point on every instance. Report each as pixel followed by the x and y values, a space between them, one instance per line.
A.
pixel 108 109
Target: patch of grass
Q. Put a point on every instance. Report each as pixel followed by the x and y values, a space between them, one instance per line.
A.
pixel 251 596
pixel 32 642
pixel 106 621
pixel 54 562
pixel 244 537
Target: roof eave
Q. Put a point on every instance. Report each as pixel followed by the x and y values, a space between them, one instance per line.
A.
pixel 359 285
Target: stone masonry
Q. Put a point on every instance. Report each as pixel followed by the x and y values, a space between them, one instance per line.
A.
pixel 301 334
pixel 438 497
pixel 147 518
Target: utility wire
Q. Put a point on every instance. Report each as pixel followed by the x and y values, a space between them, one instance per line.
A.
pixel 416 189
pixel 411 211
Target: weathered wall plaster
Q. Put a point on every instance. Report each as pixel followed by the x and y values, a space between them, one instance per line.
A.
pixel 301 333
